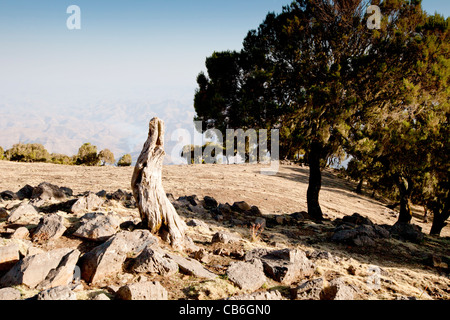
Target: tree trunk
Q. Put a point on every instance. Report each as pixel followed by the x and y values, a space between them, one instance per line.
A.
pixel 156 211
pixel 439 218
pixel 405 186
pixel 315 182
pixel 359 187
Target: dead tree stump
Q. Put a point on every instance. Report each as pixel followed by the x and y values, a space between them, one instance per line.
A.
pixel 156 211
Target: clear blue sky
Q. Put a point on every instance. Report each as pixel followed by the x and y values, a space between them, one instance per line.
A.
pixel 124 47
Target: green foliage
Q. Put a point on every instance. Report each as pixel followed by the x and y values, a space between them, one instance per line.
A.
pixel 106 156
pixel 31 152
pixel 87 155
pixel 58 158
pixel 125 161
pixel 2 153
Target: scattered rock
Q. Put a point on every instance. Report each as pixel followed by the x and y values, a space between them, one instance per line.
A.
pixel 337 289
pixel 63 274
pixel 259 296
pixel 224 237
pixel 87 203
pixel 260 222
pixel 25 193
pixel 97 226
pixel 241 207
pixel 210 202
pixel 286 265
pixel 9 256
pixel 407 232
pixel 25 213
pixel 8 195
pixel 47 191
pixel 57 293
pixel 191 267
pixel 107 259
pixel 196 223
pixel 20 233
pixel 308 290
pixel 50 227
pixel 247 275
pixel 120 195
pixel 34 269
pixel 10 294
pixel 153 261
pixel 101 296
pixel 201 255
pixel 3 213
pixel 363 235
pixel 142 291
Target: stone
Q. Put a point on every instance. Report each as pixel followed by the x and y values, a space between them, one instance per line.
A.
pixel 196 223
pixel 261 222
pixel 3 213
pixel 210 202
pixel 8 195
pixel 407 232
pixel 47 191
pixel 97 226
pixel 363 235
pixel 241 207
pixel 57 293
pixel 201 255
pixel 247 275
pixel 191 267
pixel 63 274
pixel 153 261
pixel 50 227
pixel 20 233
pixel 337 289
pixel 286 265
pixel 25 193
pixel 107 259
pixel 87 203
pixel 150 290
pixel 224 237
pixel 358 219
pixel 10 294
pixel 9 256
pixel 259 296
pixel 308 290
pixel 33 269
pixel 25 213
pixel 120 195
pixel 101 297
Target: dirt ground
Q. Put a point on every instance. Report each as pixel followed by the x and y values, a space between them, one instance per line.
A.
pixel 279 194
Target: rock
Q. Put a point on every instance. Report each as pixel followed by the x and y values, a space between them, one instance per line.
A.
pixel 8 195
pixel 193 200
pixel 210 202
pixel 200 210
pixel 363 235
pixel 259 296
pixel 261 222
pixel 67 191
pixel 87 203
pixel 247 275
pixel 241 207
pixel 3 213
pixel 196 223
pixel 50 227
pixel 191 267
pixel 358 219
pixel 25 213
pixel 34 269
pixel 47 191
pixel 20 233
pixel 25 193
pixel 201 255
pixel 63 274
pixel 407 232
pixel 107 259
pixel 308 290
pixel 224 237
pixel 102 194
pixel 97 226
pixel 337 289
pixel 142 291
pixel 10 294
pixel 319 255
pixel 9 256
pixel 100 297
pixel 120 195
pixel 57 293
pixel 224 209
pixel 153 261
pixel 286 265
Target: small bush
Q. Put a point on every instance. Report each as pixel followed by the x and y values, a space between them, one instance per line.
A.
pixel 106 156
pixel 87 155
pixel 125 161
pixel 31 152
pixel 57 158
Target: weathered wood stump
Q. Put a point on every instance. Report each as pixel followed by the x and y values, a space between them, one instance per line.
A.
pixel 156 211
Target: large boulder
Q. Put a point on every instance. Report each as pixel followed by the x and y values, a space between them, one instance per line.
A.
pixel 9 256
pixel 191 267
pixel 34 269
pixel 407 232
pixel 10 294
pixel 24 214
pixel 97 226
pixel 57 293
pixel 25 193
pixel 247 275
pixel 150 290
pixel 308 290
pixel 107 259
pixel 50 227
pixel 48 191
pixel 152 260
pixel 88 202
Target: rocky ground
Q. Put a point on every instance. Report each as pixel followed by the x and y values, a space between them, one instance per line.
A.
pixel 74 233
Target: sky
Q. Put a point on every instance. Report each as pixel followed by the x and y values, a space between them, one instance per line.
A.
pixel 145 51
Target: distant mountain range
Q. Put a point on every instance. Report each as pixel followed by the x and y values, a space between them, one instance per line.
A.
pixel 121 127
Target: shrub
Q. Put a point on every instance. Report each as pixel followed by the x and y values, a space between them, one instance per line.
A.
pixel 2 153
pixel 87 155
pixel 31 152
pixel 57 158
pixel 125 161
pixel 106 156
